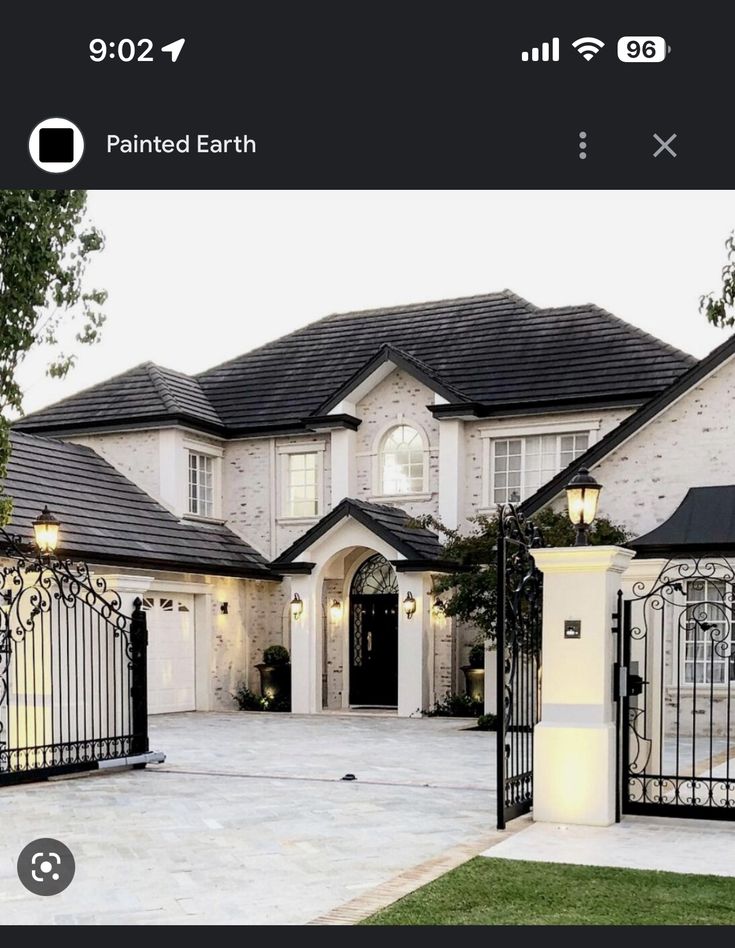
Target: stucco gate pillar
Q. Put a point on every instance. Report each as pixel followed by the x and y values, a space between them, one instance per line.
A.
pixel 574 742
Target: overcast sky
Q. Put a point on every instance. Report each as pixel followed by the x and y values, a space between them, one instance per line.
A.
pixel 196 277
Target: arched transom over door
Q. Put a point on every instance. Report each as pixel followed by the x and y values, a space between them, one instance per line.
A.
pixel 374 634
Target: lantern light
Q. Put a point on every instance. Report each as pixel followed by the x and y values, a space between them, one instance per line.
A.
pixel 583 494
pixel 46 531
pixel 297 607
pixel 439 608
pixel 409 605
pixel 335 610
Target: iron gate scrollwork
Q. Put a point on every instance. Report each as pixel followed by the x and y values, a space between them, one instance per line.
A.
pixel 73 688
pixel 677 692
pixel 518 651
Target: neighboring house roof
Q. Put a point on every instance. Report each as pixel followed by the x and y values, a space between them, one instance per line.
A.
pixel 143 395
pixel 421 548
pixel 105 518
pixel 630 425
pixel 703 522
pixel 497 353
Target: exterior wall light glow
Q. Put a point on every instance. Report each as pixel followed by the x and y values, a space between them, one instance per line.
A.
pixel 46 531
pixel 409 605
pixel 335 610
pixel 297 607
pixel 583 494
pixel 439 609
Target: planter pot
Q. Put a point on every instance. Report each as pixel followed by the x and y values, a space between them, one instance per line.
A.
pixel 474 682
pixel 275 680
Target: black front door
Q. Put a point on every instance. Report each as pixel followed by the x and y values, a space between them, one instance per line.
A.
pixel 374 650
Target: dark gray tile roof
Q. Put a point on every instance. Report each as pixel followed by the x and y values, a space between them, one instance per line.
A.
pixel 703 522
pixel 145 393
pixel 392 524
pixel 495 350
pixel 107 519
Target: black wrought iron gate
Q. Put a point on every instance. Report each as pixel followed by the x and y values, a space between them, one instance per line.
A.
pixel 518 650
pixel 676 687
pixel 73 690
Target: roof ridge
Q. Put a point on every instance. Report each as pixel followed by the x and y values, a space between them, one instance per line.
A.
pixel 384 310
pixel 161 386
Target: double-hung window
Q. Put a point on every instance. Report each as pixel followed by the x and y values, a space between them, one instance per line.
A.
pixel 302 485
pixel 708 632
pixel 201 484
pixel 521 465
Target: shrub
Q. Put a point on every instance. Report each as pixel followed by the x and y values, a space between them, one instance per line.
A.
pixel 477 656
pixel 456 706
pixel 276 655
pixel 487 722
pixel 247 700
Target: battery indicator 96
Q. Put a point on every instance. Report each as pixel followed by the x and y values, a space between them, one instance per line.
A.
pixel 642 49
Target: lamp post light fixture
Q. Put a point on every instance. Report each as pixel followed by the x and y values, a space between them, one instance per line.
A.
pixel 46 531
pixel 297 607
pixel 583 494
pixel 335 610
pixel 439 608
pixel 409 605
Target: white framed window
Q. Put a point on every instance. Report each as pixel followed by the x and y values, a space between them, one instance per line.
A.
pixel 708 633
pixel 302 498
pixel 302 481
pixel 519 466
pixel 201 484
pixel 401 462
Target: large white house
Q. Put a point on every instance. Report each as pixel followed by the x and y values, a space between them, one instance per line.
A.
pixel 270 500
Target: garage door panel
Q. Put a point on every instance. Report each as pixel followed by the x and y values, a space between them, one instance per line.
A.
pixel 171 653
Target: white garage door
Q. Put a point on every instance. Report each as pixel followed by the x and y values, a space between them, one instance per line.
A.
pixel 171 653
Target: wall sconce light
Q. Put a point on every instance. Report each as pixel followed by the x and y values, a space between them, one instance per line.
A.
pixel 224 608
pixel 409 605
pixel 583 493
pixel 439 609
pixel 297 607
pixel 335 610
pixel 46 531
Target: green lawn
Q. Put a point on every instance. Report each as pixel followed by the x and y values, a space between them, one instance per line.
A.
pixel 509 892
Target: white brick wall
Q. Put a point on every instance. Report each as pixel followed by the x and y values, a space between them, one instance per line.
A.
pixel 136 455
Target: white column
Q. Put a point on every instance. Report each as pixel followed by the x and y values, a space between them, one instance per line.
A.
pixel 306 648
pixel 451 472
pixel 413 639
pixel 574 743
pixel 344 464
pixel 491 681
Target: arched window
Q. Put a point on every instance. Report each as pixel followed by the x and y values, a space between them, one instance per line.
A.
pixel 402 462
pixel 375 577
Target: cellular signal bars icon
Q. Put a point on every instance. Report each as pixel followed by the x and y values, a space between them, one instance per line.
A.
pixel 548 52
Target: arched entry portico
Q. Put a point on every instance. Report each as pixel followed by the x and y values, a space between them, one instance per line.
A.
pixel 373 635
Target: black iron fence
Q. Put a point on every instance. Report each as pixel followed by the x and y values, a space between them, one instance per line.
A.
pixel 676 682
pixel 73 690
pixel 519 614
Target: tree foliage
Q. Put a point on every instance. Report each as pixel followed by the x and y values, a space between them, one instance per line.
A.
pixel 46 243
pixel 472 588
pixel 720 309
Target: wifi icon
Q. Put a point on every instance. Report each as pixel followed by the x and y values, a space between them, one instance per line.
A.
pixel 588 46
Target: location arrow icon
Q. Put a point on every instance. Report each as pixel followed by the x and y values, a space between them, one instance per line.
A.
pixel 174 48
